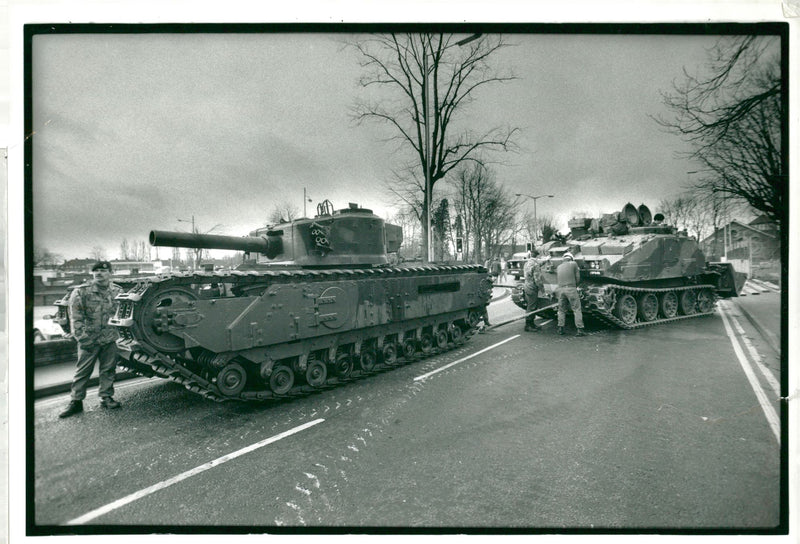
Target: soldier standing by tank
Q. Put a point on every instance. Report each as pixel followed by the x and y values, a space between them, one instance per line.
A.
pixel 569 277
pixel 532 281
pixel 90 307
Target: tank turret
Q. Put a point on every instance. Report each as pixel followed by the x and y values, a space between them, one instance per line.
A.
pixel 349 237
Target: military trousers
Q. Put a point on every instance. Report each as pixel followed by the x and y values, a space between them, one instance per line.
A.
pixel 531 304
pixel 568 297
pixel 106 356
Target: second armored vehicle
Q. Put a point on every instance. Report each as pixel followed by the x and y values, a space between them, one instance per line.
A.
pixel 636 271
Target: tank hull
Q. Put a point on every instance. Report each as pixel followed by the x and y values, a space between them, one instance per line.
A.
pixel 270 334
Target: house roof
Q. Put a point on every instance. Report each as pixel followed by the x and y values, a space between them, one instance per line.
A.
pixel 762 220
pixel 738 224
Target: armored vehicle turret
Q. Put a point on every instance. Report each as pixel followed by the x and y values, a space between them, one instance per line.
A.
pixel 317 305
pixel 637 271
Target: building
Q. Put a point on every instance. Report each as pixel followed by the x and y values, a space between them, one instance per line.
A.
pixel 133 268
pixel 754 248
pixel 757 241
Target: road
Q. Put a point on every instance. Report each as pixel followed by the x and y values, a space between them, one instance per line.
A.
pixel 661 428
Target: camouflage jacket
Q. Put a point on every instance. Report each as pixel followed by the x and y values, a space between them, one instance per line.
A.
pixel 90 308
pixel 533 277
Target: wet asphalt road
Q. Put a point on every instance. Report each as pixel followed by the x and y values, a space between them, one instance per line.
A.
pixel 651 429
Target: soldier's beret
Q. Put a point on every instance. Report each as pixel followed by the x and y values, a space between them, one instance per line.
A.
pixel 102 265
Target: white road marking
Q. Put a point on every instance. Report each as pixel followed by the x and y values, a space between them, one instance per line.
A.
pixel 90 391
pixel 188 474
pixel 445 367
pixel 773 382
pixel 769 411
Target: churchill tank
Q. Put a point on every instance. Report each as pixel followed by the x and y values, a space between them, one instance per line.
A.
pixel 316 304
pixel 636 271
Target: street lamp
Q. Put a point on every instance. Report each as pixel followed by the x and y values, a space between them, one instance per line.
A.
pixel 305 199
pixel 535 219
pixel 197 251
pixel 428 195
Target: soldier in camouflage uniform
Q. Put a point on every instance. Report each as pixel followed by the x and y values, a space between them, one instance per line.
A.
pixel 90 307
pixel 533 280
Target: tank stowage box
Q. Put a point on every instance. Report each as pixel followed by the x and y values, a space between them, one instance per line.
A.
pixel 636 271
pixel 319 305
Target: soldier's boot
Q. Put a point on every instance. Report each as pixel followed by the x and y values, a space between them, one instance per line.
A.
pixel 580 332
pixel 74 407
pixel 561 330
pixel 108 402
pixel 532 327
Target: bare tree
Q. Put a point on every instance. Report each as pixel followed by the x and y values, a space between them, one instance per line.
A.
pixel 124 250
pixel 732 117
pixel 444 73
pixel 98 253
pixel 44 257
pixel 409 222
pixel 547 226
pixel 176 257
pixel 283 213
pixel 487 211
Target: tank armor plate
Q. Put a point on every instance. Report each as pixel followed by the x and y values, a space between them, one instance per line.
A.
pixel 272 334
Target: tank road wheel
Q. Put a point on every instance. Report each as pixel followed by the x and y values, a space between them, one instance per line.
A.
pixel 440 337
pixel 688 300
pixel 409 348
pixel 705 301
pixel 368 359
pixel 456 334
pixel 669 304
pixel 281 380
pixel 473 318
pixel 316 373
pixel 390 354
pixel 426 342
pixel 344 365
pixel 625 310
pixel 231 379
pixel 648 306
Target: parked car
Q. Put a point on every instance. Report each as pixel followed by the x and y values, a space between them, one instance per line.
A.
pixel 516 264
pixel 46 329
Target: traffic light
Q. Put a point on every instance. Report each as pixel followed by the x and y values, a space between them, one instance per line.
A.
pixel 459 245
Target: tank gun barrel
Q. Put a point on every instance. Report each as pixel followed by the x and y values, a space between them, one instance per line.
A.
pixel 267 245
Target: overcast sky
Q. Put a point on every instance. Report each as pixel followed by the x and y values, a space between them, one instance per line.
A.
pixel 136 131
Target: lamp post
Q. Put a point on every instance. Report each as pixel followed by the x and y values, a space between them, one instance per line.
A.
pixel 197 251
pixel 535 219
pixel 428 195
pixel 193 231
pixel 305 199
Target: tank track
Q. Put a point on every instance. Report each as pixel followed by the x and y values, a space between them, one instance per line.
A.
pixel 147 361
pixel 595 299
